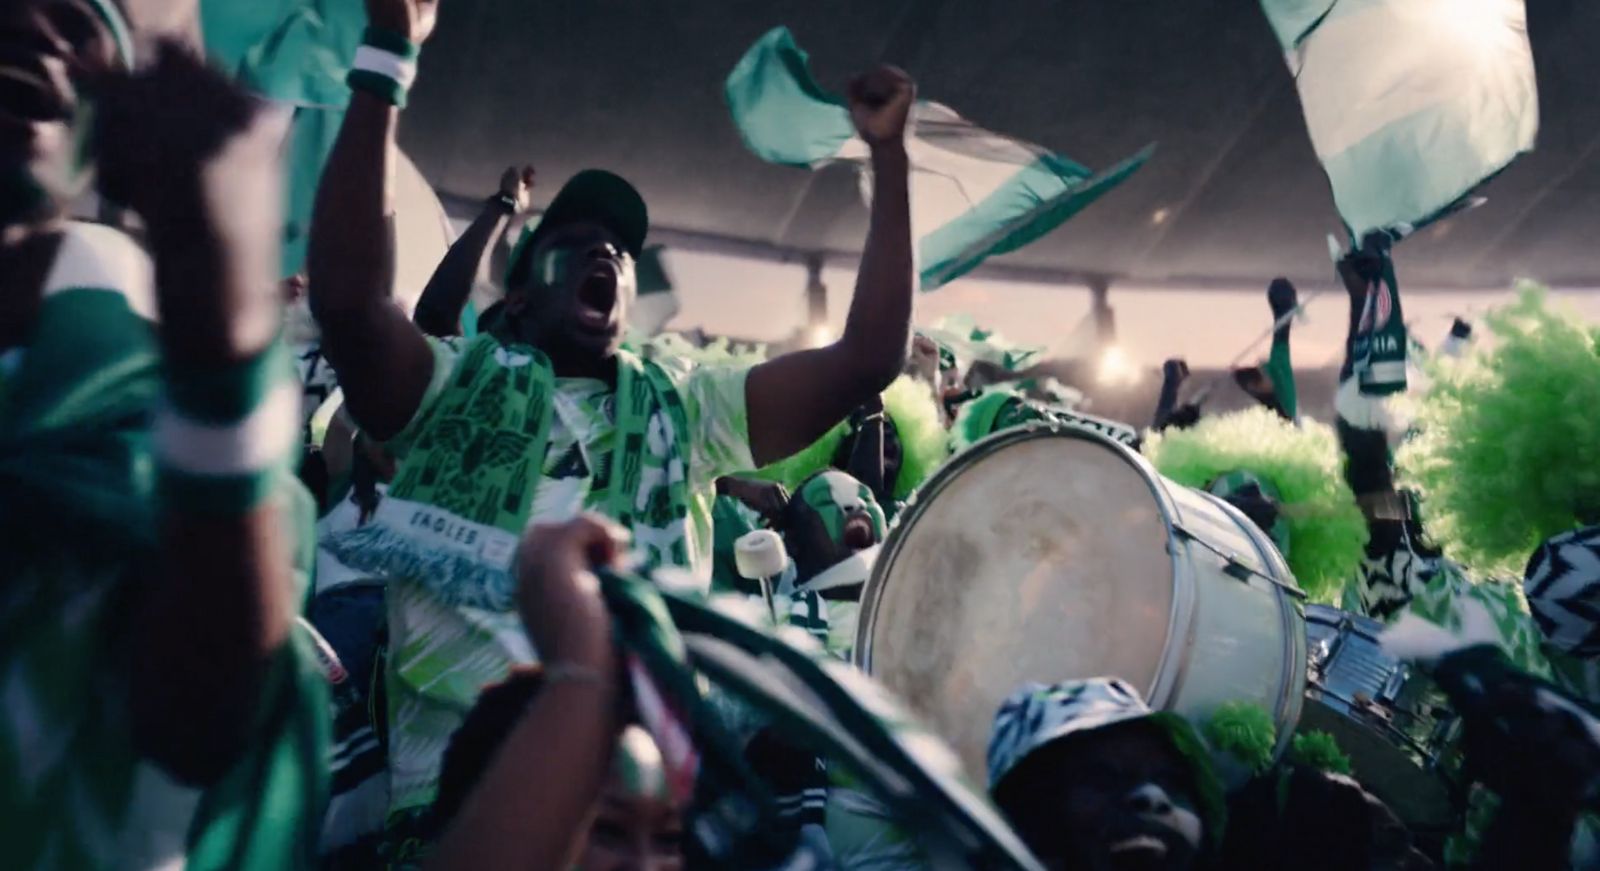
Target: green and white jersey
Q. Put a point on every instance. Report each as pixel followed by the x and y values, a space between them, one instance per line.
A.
pixel 1435 589
pixel 443 651
pixel 77 542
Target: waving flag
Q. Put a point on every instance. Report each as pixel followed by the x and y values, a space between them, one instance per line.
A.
pixel 296 53
pixel 974 193
pixel 1411 104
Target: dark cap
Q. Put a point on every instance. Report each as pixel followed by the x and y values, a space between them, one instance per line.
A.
pixel 599 197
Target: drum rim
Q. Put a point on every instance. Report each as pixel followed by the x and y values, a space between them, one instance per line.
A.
pixel 1180 619
pixel 1182 608
pixel 1292 698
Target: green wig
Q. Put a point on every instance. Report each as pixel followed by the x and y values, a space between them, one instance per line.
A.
pixel 1326 529
pixel 1319 751
pixel 1508 452
pixel 924 444
pixel 1244 731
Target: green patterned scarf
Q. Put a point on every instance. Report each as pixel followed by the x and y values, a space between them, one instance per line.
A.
pixel 462 496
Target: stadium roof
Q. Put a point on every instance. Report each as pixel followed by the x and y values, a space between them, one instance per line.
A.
pixel 1233 195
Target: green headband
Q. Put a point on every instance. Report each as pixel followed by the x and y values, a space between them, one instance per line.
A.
pixel 115 22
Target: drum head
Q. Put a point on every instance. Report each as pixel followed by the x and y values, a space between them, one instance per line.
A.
pixel 1036 556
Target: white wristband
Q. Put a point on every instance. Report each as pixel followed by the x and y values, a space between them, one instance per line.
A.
pixel 256 443
pixel 387 64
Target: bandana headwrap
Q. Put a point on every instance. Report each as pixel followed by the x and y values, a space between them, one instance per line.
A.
pixel 1562 583
pixel 1036 715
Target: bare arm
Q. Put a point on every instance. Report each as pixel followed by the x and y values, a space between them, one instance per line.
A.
pixel 439 309
pixel 795 398
pixel 181 146
pixel 382 359
pixel 1173 373
pixel 529 809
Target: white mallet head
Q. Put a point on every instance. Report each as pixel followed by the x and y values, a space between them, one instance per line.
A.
pixel 760 554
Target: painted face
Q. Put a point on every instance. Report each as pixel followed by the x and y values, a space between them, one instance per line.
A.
pixel 578 293
pixel 50 51
pixel 833 517
pixel 636 825
pixel 1116 798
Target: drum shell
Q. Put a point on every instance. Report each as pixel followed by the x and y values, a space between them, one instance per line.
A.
pixel 1217 618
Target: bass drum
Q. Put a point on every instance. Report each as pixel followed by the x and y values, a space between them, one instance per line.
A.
pixel 1048 554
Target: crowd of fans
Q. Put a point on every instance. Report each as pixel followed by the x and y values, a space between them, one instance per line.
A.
pixel 442 623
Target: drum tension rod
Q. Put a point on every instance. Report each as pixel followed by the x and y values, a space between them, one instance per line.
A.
pixel 1235 567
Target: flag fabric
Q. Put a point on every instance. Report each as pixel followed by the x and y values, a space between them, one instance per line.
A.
pixel 1411 104
pixel 296 53
pixel 974 193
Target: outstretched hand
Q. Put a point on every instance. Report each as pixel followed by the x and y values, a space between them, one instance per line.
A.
pixel 880 104
pixel 413 19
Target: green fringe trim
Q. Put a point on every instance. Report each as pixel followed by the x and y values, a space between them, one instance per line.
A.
pixel 454 579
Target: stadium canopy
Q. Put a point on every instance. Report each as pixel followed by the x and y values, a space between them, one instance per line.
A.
pixel 1233 194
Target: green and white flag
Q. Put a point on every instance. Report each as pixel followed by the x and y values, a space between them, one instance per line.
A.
pixel 974 193
pixel 296 54
pixel 1411 104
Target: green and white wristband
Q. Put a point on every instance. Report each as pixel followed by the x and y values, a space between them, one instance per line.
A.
pixel 224 438
pixel 385 66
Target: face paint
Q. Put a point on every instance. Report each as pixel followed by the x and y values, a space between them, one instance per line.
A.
pixel 553 266
pixel 836 497
pixel 638 767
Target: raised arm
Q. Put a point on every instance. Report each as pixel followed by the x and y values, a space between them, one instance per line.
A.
pixel 183 148
pixel 795 398
pixel 1367 463
pixel 1174 372
pixel 439 308
pixel 382 360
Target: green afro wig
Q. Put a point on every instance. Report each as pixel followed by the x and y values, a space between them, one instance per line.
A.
pixel 924 445
pixel 1244 731
pixel 1508 452
pixel 1319 751
pixel 1327 532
